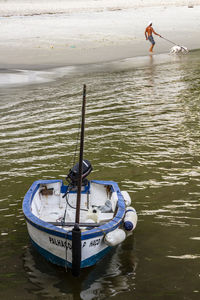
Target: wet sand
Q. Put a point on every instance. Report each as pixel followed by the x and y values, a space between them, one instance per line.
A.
pixel 46 41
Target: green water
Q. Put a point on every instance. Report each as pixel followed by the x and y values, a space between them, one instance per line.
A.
pixel 142 130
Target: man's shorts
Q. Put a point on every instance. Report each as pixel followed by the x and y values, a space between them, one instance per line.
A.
pixel 151 39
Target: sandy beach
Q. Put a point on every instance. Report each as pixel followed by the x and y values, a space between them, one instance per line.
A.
pixel 61 34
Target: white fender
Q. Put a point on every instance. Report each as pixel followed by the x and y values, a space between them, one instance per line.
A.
pixel 130 219
pixel 126 197
pixel 115 237
pixel 114 199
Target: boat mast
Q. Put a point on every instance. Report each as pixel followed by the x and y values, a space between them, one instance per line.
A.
pixel 78 201
pixel 76 232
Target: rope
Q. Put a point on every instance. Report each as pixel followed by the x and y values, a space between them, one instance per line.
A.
pixel 172 42
pixel 169 41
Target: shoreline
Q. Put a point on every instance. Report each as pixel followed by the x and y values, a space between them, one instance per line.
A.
pixel 43 42
pixel 23 76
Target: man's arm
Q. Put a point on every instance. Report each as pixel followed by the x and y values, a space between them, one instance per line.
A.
pixel 156 33
pixel 145 33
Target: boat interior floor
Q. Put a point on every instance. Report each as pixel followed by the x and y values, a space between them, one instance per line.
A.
pixel 53 207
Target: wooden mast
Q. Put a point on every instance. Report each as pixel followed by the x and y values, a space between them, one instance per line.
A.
pixel 76 232
pixel 78 202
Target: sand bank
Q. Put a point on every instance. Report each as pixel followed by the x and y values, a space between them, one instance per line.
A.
pixel 93 35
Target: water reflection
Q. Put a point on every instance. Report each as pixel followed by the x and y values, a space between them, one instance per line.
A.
pixel 113 275
pixel 179 213
pixel 185 256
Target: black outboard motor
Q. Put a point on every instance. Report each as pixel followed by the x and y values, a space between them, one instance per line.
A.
pixel 73 175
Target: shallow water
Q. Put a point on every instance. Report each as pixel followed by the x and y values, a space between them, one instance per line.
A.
pixel 142 130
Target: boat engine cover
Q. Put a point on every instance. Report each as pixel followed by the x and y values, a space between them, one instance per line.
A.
pixel 74 172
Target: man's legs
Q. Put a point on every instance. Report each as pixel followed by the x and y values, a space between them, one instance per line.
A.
pixel 151 48
pixel 151 39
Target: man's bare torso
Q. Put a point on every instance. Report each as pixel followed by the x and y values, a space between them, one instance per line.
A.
pixel 149 31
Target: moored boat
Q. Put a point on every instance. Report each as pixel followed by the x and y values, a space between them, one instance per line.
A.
pixel 75 224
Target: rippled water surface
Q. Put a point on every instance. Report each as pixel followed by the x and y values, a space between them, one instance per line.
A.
pixel 142 130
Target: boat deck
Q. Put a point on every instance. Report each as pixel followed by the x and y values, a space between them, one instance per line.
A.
pixel 50 206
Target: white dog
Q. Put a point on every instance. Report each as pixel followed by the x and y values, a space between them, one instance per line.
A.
pixel 179 49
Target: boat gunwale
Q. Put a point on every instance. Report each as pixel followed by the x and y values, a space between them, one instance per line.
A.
pixel 56 231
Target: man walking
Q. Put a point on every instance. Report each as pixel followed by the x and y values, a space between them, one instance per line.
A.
pixel 149 35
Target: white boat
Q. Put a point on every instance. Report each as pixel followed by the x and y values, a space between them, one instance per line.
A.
pixel 77 235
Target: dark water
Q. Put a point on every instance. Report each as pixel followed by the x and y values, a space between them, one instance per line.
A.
pixel 143 121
